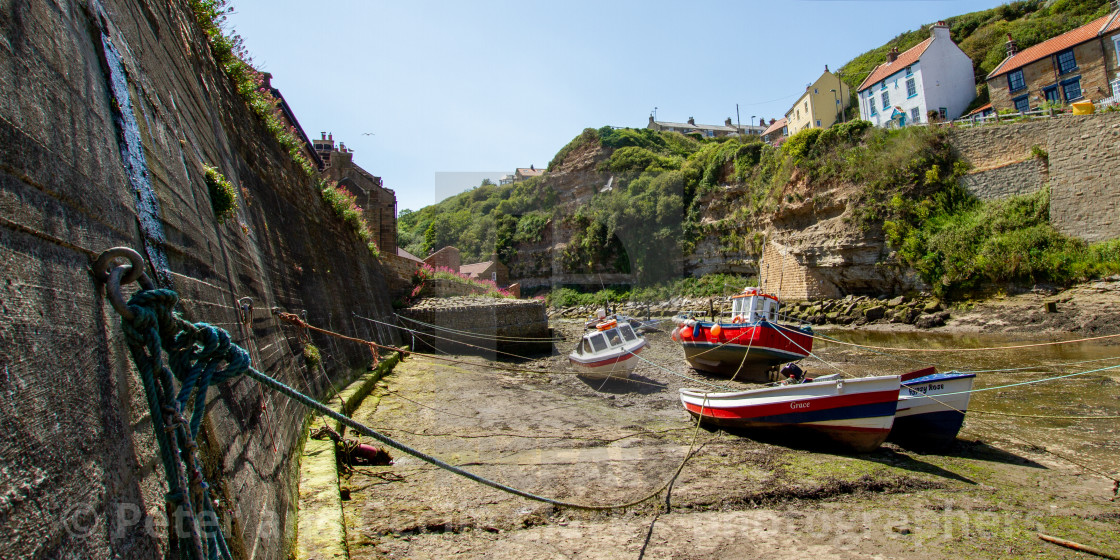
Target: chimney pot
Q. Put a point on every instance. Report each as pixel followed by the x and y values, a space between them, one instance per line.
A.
pixel 892 55
pixel 1012 46
pixel 691 121
pixel 826 68
pixel 330 136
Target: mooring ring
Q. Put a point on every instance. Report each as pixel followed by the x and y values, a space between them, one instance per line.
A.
pixel 119 275
pixel 102 266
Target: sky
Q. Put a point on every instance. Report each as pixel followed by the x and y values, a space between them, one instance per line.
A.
pixel 435 96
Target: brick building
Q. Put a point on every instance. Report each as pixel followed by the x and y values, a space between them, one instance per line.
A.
pixel 447 257
pixel 1074 66
pixel 379 204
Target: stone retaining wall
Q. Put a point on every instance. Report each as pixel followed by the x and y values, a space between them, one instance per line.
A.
pixel 80 475
pixel 473 325
pixel 1080 167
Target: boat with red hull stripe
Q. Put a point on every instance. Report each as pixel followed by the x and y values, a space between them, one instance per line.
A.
pixel 746 346
pixel 609 351
pixel 857 413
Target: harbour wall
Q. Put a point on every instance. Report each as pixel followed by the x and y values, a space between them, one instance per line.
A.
pixel 86 85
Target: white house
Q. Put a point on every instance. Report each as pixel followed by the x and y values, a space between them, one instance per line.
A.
pixel 935 75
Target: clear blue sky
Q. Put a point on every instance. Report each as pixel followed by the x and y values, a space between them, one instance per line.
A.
pixel 448 90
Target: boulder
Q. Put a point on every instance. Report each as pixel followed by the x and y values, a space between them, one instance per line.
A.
pixel 895 302
pixel 875 313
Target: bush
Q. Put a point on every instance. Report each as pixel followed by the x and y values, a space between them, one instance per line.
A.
pixel 223 197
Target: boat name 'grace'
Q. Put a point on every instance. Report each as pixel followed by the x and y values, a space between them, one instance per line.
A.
pixel 796 405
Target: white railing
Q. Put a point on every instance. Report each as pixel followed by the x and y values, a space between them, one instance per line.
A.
pixel 1107 102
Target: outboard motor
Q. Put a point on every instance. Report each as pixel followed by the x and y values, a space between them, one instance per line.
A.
pixel 792 373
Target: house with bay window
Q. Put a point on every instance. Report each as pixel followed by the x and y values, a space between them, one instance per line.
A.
pixel 1078 65
pixel 935 76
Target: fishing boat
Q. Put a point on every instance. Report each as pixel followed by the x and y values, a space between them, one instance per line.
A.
pixel 931 407
pixel 855 413
pixel 749 344
pixel 611 350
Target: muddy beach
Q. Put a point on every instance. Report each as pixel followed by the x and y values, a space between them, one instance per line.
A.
pixel 1030 459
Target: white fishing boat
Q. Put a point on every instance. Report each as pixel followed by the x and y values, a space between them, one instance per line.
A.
pixel 931 407
pixel 611 350
pixel 856 413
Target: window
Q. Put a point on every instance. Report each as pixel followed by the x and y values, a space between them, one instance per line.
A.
pixel 1021 104
pixel 599 342
pixel 909 70
pixel 818 123
pixel 943 113
pixel 1051 94
pixel 815 91
pixel 1116 44
pixel 871 104
pixel 916 115
pixel 911 88
pixel 886 95
pixel 627 333
pixel 1072 89
pixel 1066 62
pixel 1015 81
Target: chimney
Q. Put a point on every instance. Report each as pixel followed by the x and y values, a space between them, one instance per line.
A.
pixel 651 119
pixel 727 122
pixel 330 136
pixel 772 121
pixel 940 30
pixel 826 68
pixel 324 135
pixel 1012 46
pixel 691 121
pixel 892 55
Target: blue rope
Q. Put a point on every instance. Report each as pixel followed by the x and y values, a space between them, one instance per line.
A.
pixel 195 354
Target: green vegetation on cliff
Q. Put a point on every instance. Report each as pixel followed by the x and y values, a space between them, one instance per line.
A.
pixel 905 183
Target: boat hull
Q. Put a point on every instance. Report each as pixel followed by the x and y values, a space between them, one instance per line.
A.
pixel 617 365
pixel 931 409
pixel 855 413
pixel 744 351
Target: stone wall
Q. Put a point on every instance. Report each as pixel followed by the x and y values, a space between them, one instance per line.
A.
pixel 398 273
pixel 441 288
pixel 482 326
pixel 79 471
pixel 784 275
pixel 1012 179
pixel 1081 167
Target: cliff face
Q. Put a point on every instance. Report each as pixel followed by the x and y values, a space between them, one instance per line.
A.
pixel 85 87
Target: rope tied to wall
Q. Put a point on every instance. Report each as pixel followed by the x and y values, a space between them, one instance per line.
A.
pixel 196 353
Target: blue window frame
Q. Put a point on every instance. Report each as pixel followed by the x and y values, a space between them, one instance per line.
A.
pixel 1015 81
pixel 871 104
pixel 1022 104
pixel 1066 62
pixel 911 87
pixel 1071 88
pixel 886 96
pixel 1051 94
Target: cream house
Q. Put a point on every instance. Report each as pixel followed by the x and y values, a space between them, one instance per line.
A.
pixel 821 105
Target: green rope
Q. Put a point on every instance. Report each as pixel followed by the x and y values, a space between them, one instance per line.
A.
pixel 195 352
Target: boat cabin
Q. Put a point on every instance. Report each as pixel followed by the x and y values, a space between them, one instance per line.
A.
pixel 753 306
pixel 610 334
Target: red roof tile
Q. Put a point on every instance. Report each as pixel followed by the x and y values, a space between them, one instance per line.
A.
pixel 778 124
pixel 980 109
pixel 887 68
pixel 1049 47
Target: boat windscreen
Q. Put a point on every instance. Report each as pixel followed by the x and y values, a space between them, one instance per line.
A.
pixel 627 333
pixel 599 342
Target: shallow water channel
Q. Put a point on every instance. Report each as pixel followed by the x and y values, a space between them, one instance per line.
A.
pixel 1020 392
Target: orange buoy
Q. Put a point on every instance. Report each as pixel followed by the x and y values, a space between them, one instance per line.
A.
pixel 686 332
pixel 716 329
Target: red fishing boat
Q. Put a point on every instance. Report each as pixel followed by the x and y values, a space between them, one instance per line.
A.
pixel 749 344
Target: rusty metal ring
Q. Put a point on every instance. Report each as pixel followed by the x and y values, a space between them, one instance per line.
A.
pixel 103 265
pixel 113 288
